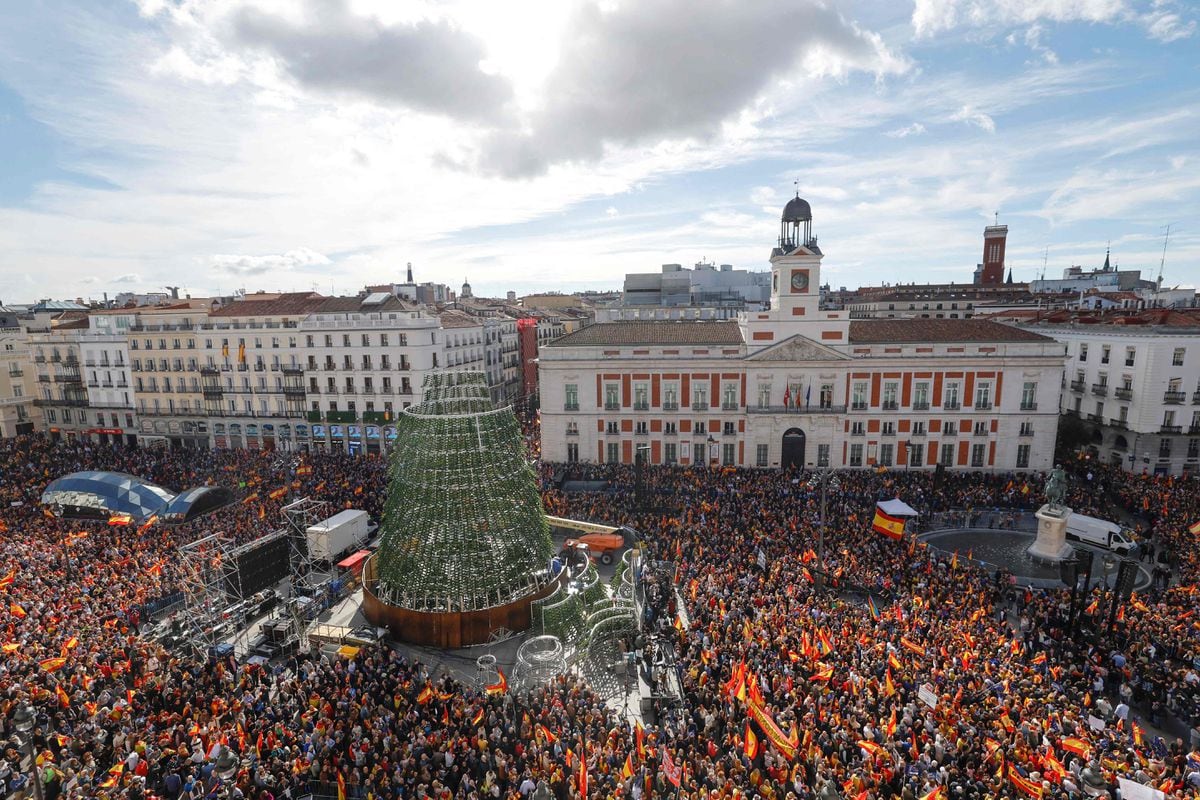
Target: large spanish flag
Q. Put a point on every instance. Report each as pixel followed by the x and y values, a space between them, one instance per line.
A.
pixel 889 526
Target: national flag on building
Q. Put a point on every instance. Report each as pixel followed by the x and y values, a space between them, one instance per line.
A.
pixel 889 526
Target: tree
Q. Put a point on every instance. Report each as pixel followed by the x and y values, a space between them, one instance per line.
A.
pixel 1072 435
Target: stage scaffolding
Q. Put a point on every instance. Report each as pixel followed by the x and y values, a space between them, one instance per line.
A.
pixel 299 516
pixel 211 587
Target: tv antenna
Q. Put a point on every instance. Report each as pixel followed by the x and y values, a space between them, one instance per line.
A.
pixel 1163 259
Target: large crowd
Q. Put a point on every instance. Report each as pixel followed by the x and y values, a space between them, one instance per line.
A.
pixel 884 669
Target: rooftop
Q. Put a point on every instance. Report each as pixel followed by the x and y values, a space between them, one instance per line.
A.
pixel 284 304
pixel 939 330
pixel 653 333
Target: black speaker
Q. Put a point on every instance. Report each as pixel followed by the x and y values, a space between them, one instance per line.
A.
pixel 261 567
pixel 1126 578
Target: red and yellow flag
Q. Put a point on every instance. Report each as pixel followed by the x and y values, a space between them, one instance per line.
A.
pixel 1023 784
pixel 500 686
pixel 750 745
pixel 887 525
pixel 627 767
pixel 341 786
pixel 52 664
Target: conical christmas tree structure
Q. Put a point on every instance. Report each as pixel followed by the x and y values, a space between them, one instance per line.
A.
pixel 463 527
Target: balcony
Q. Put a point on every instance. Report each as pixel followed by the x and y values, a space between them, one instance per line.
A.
pixel 920 405
pixel 858 431
pixel 951 405
pixel 1026 432
pixel 376 417
pixel 1193 430
pixel 1196 398
pixel 862 406
pixel 1170 429
pixel 1078 386
pixel 920 433
pixel 612 406
pixel 1119 424
pixel 1174 398
pixel 1095 418
pixel 570 406
pixel 1123 393
pixel 93 384
pixel 729 406
pixel 313 416
pixel 1100 389
pixel 15 372
pixel 670 406
pixel 1029 406
pixel 817 409
pixel 89 362
pixel 43 378
pixel 983 406
pixel 980 432
pixel 341 416
pixel 699 406
pixel 641 406
pixel 39 359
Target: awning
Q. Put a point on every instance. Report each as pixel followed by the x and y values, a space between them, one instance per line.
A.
pixel 897 508
pixel 350 562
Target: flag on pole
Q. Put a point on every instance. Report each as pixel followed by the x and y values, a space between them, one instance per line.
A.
pixel 582 784
pixel 500 686
pixel 750 744
pixel 627 767
pixel 1195 528
pixel 889 526
pixel 341 786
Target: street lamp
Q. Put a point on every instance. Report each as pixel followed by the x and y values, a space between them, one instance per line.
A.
pixel 23 720
pixel 907 454
pixel 639 474
pixel 824 479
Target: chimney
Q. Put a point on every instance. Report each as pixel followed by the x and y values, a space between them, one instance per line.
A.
pixel 410 280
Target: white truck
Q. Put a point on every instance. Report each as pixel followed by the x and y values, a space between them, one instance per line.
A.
pixel 329 539
pixel 1101 533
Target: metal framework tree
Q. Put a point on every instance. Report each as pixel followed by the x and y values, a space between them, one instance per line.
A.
pixel 463 527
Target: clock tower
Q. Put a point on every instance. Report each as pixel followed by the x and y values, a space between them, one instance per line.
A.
pixel 796 265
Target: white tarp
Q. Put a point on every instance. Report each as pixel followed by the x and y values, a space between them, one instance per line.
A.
pixel 897 508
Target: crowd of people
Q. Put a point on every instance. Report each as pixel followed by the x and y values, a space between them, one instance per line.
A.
pixel 882 669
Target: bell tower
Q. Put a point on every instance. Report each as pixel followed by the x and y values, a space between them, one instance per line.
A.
pixel 796 264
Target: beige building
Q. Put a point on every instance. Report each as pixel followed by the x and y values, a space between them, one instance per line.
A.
pixel 16 379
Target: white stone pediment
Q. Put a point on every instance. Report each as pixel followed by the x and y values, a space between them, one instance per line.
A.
pixel 798 348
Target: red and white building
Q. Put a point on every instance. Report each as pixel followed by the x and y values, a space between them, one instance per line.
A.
pixel 801 385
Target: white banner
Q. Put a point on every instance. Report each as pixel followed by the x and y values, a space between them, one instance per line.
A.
pixel 927 696
pixel 1095 722
pixel 1132 790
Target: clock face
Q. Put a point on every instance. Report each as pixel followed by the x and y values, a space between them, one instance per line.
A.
pixel 800 280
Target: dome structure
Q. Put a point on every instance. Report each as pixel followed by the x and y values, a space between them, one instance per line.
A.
pixel 96 494
pixel 797 210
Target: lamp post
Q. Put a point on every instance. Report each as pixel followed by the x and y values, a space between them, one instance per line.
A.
pixel 23 720
pixel 639 475
pixel 822 479
pixel 907 454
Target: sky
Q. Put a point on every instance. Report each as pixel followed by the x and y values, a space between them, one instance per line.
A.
pixel 539 145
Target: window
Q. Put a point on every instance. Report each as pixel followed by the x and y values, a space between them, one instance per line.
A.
pixel 572 429
pixel 1099 410
pixel 613 455
pixel 670 452
pixel 700 428
pixel 887 453
pixel 891 392
pixel 888 429
pixel 978 453
pixel 1164 447
pixel 1104 354
pixel 572 452
pixel 983 395
pixel 699 453
pixel 920 396
pixel 1130 353
pixel 611 402
pixel 949 429
pixel 728 454
pixel 916 454
pixel 1083 351
pixel 858 429
pixel 1193 451
pixel 669 428
pixel 1177 357
pixel 826 395
pixel 1027 429
pixel 822 455
pixel 729 397
pixel 727 429
pixel 981 428
pixel 859 396
pixel 699 398
pixel 947 458
pixel 951 400
pixel 856 455
pixel 764 395
pixel 641 397
pixel 918 428
pixel 761 455
pixel 611 428
pixel 641 427
pixel 1023 456
pixel 670 397
pixel 1029 396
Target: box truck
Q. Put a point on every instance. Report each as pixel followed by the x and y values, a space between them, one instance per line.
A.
pixel 329 539
pixel 1101 533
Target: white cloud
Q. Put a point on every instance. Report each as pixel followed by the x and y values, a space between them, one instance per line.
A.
pixel 129 277
pixel 934 16
pixel 915 129
pixel 258 265
pixel 1167 26
pixel 973 116
pixel 611 211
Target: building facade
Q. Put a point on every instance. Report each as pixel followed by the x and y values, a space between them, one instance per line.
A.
pixel 17 414
pixel 803 386
pixel 1134 379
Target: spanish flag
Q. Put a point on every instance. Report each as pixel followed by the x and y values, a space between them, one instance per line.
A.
pixel 871 748
pixel 114 776
pixel 1024 784
pixel 70 644
pixel 933 794
pixel 1194 528
pixel 17 611
pixel 750 747
pixel 500 686
pixel 64 699
pixel 145 526
pixel 912 647
pixel 120 519
pixel 639 737
pixel 889 526
pixel 546 733
pixel 478 718
pixel 425 696
pixel 304 469
pixel 341 784
pixel 627 767
pixel 8 579
pixel 1076 746
pixel 823 642
pixel 278 493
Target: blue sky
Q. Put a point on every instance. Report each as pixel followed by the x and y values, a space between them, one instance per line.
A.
pixel 298 144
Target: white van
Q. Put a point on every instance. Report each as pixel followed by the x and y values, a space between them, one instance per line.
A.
pixel 1101 533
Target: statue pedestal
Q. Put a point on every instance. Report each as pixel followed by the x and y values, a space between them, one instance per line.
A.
pixel 1051 545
